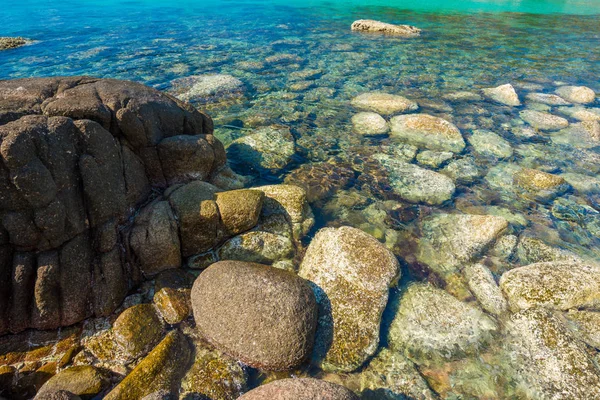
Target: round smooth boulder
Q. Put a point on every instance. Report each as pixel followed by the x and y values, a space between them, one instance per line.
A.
pixel 260 315
pixel 300 389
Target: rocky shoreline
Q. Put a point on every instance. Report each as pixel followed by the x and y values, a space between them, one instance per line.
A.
pixel 138 264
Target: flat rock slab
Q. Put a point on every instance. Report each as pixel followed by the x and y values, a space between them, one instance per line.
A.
pixel 427 131
pixel 431 325
pixel 415 184
pixel 577 94
pixel 556 285
pixel 260 315
pixel 351 274
pixel 450 240
pixel 548 362
pixel 372 26
pixel 384 103
pixel 544 121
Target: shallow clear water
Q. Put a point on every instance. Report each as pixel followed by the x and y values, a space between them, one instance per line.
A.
pixel 535 45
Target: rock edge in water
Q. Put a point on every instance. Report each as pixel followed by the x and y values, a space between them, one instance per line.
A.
pixel 372 26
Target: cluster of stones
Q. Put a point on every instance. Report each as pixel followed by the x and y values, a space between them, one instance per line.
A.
pixel 500 314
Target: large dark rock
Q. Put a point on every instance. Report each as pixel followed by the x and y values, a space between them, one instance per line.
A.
pixel 260 315
pixel 296 389
pixel 79 157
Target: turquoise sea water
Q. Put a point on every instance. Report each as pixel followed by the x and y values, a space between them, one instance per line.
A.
pixel 535 45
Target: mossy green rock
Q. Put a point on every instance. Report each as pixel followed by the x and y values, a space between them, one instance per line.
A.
pixel 239 209
pixel 84 380
pixel 173 304
pixel 546 361
pixel 556 285
pixel 161 369
pixel 172 295
pixel 433 326
pixel 214 375
pixel 138 329
pixel 352 273
pixel 450 240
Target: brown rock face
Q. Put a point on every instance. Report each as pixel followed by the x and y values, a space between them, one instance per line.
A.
pixel 263 316
pixel 78 158
pixel 304 388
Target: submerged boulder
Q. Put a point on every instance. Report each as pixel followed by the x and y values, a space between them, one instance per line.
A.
pixel 267 148
pixel 556 285
pixel 577 94
pixel 546 362
pixel 301 388
pixel 539 184
pixel 415 184
pixel 431 326
pixel 429 132
pixel 543 120
pixel 504 94
pixel 549 99
pixel 369 123
pixel 213 375
pixel 384 103
pixel 208 88
pixel 351 273
pixel 389 376
pixel 490 144
pixel 260 315
pixel 483 285
pixel 450 240
pixel 369 25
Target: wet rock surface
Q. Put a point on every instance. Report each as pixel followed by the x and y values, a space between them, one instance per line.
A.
pixel 276 329
pixel 432 325
pixel 351 273
pixel 79 156
pixel 429 132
